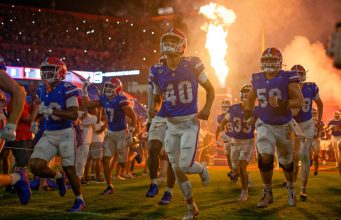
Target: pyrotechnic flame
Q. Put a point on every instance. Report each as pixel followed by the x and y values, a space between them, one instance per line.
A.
pixel 220 18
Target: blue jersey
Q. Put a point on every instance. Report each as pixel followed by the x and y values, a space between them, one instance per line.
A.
pixel 335 127
pixel 310 91
pixel 277 86
pixel 113 110
pixel 162 111
pixel 179 87
pixel 228 127
pixel 240 128
pixel 57 99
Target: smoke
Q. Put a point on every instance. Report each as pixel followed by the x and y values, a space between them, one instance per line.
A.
pixel 312 56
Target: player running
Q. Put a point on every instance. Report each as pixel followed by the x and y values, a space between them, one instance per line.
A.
pixel 19 178
pixel 156 135
pixel 59 106
pixel 302 146
pixel 277 92
pixel 116 107
pixel 335 126
pixel 226 129
pixel 316 141
pixel 242 141
pixel 176 84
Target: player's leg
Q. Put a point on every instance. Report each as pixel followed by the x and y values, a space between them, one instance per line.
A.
pixel 67 152
pixel 167 196
pixel 81 159
pixel 246 149
pixel 298 144
pixel 156 136
pixel 336 150
pixel 97 155
pixel 339 151
pixel 266 149
pixel 122 149
pixel 285 152
pixel 315 155
pixel 235 153
pixel 227 151
pixel 109 149
pixel 163 166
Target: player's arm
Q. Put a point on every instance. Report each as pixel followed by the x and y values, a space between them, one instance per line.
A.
pixel 87 103
pixel 71 111
pixel 296 97
pixel 131 114
pixel 319 104
pixel 210 95
pixel 17 94
pixel 250 103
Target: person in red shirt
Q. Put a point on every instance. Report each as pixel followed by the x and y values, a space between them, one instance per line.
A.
pixel 21 147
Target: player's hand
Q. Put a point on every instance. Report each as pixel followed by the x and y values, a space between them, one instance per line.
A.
pixel 34 127
pixel 8 132
pixel 273 101
pixel 47 111
pixel 203 114
pixel 250 121
pixel 295 111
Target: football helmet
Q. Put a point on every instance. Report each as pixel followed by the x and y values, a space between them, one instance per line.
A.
pixel 52 69
pixel 112 87
pixel 301 72
pixel 244 91
pixel 173 41
pixel 225 105
pixel 337 115
pixel 271 60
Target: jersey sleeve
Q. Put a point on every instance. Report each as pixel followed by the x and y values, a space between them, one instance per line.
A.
pixel 123 101
pixel 153 80
pixel 102 100
pixel 70 90
pixel 316 91
pixel 293 77
pixel 198 68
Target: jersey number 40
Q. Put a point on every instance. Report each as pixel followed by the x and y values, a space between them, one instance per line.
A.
pixel 184 93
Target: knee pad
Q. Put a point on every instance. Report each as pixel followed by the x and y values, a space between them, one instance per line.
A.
pixel 265 167
pixel 288 168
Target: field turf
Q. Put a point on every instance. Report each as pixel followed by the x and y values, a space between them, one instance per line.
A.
pixel 217 201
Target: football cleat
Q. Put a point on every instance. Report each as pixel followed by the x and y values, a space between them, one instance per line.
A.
pixel 303 196
pixel 78 205
pixel 129 176
pixel 61 183
pixel 243 197
pixel 191 213
pixel 35 184
pixel 166 198
pixel 232 177
pixel 266 200
pixel 204 176
pixel 52 184
pixel 109 190
pixel 291 196
pixel 152 191
pixel 22 186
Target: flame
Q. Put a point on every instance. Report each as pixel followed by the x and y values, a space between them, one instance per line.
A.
pixel 220 18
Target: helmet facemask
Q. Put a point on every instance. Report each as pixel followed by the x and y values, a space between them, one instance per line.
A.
pixel 49 73
pixel 270 64
pixel 109 89
pixel 172 44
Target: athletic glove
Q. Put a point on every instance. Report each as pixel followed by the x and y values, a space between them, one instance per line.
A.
pixel 8 132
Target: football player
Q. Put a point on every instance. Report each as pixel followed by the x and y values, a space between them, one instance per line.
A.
pixel 226 129
pixel 302 146
pixel 19 178
pixel 156 135
pixel 59 106
pixel 316 141
pixel 175 84
pixel 242 141
pixel 116 107
pixel 277 92
pixel 335 126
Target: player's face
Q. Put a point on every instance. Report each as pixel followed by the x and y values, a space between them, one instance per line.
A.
pixel 109 90
pixel 269 64
pixel 48 74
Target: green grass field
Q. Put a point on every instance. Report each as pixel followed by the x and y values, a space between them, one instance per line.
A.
pixel 217 201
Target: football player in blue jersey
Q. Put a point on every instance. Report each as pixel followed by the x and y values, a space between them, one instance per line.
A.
pixel 334 126
pixel 175 85
pixel 59 106
pixel 156 136
pixel 242 140
pixel 302 146
pixel 19 178
pixel 226 129
pixel 116 108
pixel 277 92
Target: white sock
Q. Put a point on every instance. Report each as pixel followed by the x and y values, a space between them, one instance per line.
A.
pixel 154 181
pixel 80 197
pixel 58 175
pixel 170 190
pixel 245 191
pixel 15 178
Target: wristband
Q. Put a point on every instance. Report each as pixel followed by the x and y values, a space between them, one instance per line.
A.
pixel 11 126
